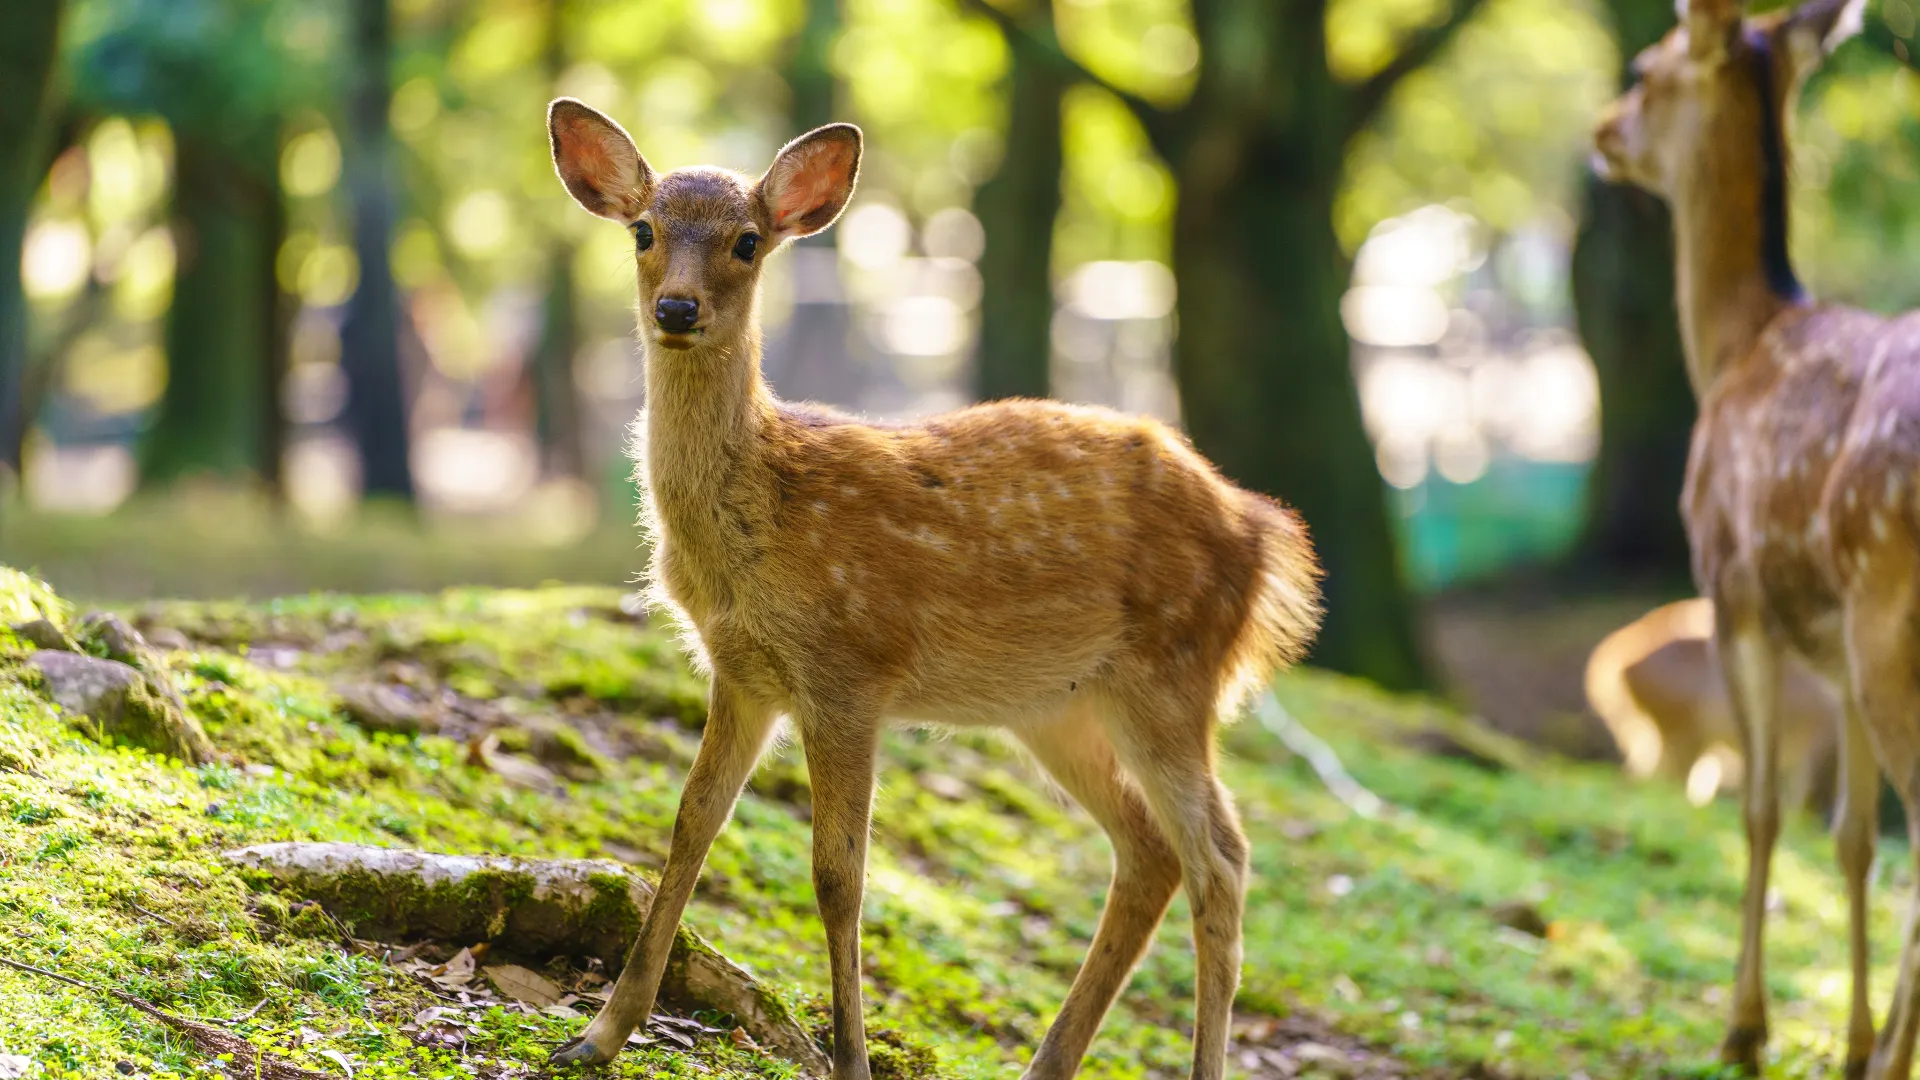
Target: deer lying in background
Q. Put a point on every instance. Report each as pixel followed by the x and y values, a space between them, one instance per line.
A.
pixel 1656 684
pixel 1082 579
pixel 1800 502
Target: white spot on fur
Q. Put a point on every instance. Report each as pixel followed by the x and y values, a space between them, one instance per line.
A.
pixel 1878 522
pixel 839 574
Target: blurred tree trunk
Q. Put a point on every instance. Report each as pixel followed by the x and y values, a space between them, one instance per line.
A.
pixel 1623 305
pixel 224 341
pixel 377 412
pixel 29 39
pixel 556 395
pixel 1267 391
pixel 808 358
pixel 1017 209
pixel 1262 363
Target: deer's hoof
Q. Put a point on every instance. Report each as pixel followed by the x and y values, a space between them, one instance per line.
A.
pixel 1741 1048
pixel 581 1051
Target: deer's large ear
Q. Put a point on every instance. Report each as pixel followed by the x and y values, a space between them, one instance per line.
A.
pixel 597 161
pixel 811 181
pixel 1818 27
pixel 1711 25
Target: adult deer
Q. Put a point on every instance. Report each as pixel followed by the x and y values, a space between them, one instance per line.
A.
pixel 1079 578
pixel 1800 496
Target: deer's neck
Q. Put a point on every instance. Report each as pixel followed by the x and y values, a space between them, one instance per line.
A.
pixel 1730 234
pixel 707 410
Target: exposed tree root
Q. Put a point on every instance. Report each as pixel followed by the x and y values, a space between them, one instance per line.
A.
pixel 534 907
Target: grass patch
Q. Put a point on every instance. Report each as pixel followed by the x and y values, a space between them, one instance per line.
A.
pixel 983 888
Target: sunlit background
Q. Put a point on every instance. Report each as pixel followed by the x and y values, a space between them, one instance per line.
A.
pixel 1458 207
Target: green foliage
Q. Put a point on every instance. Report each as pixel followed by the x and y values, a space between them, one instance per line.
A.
pixel 229 71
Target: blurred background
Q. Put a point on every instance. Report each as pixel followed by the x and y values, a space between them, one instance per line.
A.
pixel 290 298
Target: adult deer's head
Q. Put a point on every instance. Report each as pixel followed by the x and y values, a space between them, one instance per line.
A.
pixel 1712 95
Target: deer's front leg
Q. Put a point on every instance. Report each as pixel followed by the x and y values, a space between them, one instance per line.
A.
pixel 840 763
pixel 736 731
pixel 1753 679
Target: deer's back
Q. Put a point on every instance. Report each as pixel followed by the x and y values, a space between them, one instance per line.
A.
pixel 995 560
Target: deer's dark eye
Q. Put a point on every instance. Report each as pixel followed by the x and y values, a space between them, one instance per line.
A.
pixel 744 247
pixel 642 236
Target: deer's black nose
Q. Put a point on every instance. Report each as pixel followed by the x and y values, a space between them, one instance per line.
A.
pixel 675 316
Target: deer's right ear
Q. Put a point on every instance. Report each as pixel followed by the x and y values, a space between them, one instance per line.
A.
pixel 598 162
pixel 1711 26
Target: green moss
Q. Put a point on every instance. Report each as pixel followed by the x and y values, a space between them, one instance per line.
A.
pixel 978 908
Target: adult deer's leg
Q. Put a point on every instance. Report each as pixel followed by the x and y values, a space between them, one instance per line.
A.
pixel 1753 678
pixel 1166 744
pixel 840 763
pixel 735 734
pixel 1881 649
pixel 1076 751
pixel 1854 819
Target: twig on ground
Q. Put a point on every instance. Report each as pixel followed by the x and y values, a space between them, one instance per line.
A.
pixel 1275 718
pixel 206 1038
pixel 245 1016
pixel 154 915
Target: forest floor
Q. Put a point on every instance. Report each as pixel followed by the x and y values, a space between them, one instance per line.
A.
pixel 1506 914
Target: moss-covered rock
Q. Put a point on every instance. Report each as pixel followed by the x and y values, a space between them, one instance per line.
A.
pixel 114 702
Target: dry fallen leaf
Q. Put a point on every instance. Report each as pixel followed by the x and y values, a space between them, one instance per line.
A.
pixel 484 753
pixel 455 973
pixel 521 984
pixel 14 1066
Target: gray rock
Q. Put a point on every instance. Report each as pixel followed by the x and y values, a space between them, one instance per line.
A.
pixel 42 634
pixel 392 709
pixel 115 702
pixel 116 639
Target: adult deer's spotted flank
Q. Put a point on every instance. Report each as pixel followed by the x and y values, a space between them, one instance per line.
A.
pixel 1082 579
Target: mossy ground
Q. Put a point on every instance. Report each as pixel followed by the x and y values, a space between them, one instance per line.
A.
pixel 983 889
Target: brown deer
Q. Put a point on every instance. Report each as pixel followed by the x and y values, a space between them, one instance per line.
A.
pixel 1800 495
pixel 1081 579
pixel 1656 684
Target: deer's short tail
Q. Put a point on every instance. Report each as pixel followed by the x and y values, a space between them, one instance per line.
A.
pixel 1285 611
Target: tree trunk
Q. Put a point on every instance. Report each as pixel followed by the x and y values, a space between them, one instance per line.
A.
pixel 1267 387
pixel 808 358
pixel 1017 209
pixel 220 334
pixel 556 396
pixel 557 414
pixel 370 336
pixel 29 35
pixel 1623 302
pixel 1624 308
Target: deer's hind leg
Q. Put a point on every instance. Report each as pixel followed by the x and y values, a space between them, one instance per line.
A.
pixel 1883 653
pixel 1164 737
pixel 1751 664
pixel 1854 825
pixel 1076 752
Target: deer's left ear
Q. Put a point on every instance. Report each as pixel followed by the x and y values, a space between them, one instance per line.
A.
pixel 811 181
pixel 1818 27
